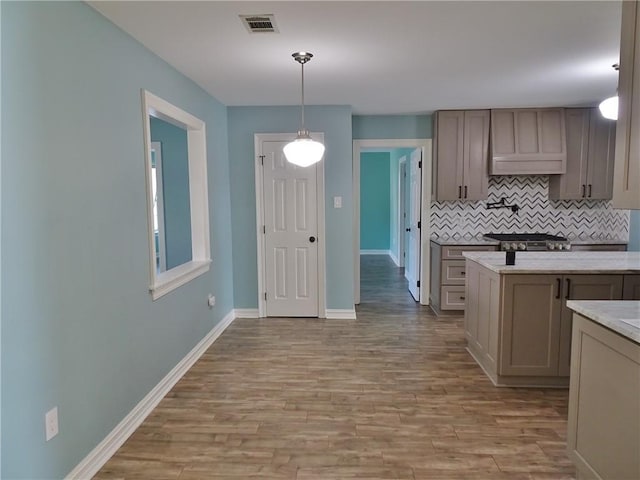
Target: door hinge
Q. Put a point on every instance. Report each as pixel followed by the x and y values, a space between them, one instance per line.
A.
pixel 419 224
pixel 261 159
pixel 264 229
pixel 265 296
pixel 420 164
pixel 418 282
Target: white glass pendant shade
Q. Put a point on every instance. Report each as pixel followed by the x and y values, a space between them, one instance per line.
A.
pixel 609 108
pixel 303 151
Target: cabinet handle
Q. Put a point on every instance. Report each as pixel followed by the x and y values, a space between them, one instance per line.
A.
pixel 463 273
pixel 558 284
pixel 568 289
pixel 462 297
pixel 589 191
pixel 459 191
pixel 465 191
pixel 583 191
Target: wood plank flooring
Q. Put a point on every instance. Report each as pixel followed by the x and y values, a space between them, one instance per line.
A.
pixel 391 395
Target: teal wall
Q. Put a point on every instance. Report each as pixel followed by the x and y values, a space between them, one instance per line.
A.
pixel 375 201
pixel 634 231
pixel 175 191
pixel 368 127
pixel 79 328
pixel 335 122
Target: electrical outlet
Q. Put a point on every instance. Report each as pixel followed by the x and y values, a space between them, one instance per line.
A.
pixel 211 300
pixel 51 423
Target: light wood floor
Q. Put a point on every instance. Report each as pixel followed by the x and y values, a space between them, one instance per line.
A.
pixel 393 394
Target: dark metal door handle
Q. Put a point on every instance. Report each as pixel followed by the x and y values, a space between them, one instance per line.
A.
pixel 407 229
pixel 465 191
pixel 583 191
pixel 459 191
pixel 568 289
pixel 312 239
pixel 589 191
pixel 558 284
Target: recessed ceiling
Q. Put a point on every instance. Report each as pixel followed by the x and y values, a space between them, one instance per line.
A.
pixel 387 57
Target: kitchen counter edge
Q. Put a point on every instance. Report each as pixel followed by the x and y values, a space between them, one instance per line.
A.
pixel 610 314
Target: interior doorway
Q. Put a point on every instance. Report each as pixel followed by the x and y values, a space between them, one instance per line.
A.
pixel 421 210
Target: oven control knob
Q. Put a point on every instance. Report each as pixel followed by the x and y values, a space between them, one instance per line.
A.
pixel 514 246
pixel 551 246
pixel 522 246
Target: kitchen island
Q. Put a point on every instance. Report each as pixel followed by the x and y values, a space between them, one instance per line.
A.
pixel 603 438
pixel 517 324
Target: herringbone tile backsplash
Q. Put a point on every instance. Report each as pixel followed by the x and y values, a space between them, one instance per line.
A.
pixel 571 218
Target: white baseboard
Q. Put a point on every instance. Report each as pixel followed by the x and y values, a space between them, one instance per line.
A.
pixel 246 313
pixel 94 461
pixel 375 252
pixel 394 258
pixel 341 314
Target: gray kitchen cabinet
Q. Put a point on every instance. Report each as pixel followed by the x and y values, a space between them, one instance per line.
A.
pixel 518 326
pixel 528 141
pixel 631 288
pixel 461 152
pixel 590 157
pixel 626 187
pixel 583 287
pixel 603 431
pixel 448 275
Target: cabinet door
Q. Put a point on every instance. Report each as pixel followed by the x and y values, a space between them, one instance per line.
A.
pixel 602 136
pixel 476 154
pixel 582 287
pixel 530 325
pixel 631 287
pixel 572 184
pixel 626 188
pixel 449 155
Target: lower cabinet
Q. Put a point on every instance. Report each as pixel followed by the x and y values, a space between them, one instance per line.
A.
pixel 448 275
pixel 603 432
pixel 518 326
pixel 631 288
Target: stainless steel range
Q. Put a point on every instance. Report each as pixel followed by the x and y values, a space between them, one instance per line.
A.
pixel 529 241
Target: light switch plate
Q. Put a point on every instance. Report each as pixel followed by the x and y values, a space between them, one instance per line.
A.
pixel 337 202
pixel 51 423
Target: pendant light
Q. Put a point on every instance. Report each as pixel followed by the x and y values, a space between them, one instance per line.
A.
pixel 303 151
pixel 609 106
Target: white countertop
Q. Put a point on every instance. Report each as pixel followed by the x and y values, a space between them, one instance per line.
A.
pixel 622 316
pixel 559 262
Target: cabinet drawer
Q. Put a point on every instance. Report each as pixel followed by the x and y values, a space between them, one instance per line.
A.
pixel 452 298
pixel 617 247
pixel 455 253
pixel 453 272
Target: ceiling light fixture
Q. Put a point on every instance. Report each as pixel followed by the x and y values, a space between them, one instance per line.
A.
pixel 303 151
pixel 609 106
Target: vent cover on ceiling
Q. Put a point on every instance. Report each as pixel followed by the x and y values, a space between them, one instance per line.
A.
pixel 259 23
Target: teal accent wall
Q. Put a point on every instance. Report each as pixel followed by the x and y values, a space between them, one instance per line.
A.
pixel 79 328
pixel 175 191
pixel 634 231
pixel 369 127
pixel 375 201
pixel 335 122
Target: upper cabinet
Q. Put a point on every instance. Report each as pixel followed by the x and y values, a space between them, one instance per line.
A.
pixel 590 156
pixel 528 141
pixel 626 186
pixel 461 152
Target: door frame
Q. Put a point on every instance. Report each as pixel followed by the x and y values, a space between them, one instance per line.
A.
pixel 402 170
pixel 258 138
pixel 425 208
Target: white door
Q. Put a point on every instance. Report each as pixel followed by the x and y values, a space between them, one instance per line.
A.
pixel 291 235
pixel 413 254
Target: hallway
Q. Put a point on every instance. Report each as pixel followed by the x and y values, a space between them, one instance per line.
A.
pixel 391 395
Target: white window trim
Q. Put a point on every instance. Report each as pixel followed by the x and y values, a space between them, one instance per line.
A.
pixel 165 282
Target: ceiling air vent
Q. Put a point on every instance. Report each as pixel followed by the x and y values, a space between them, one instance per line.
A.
pixel 260 23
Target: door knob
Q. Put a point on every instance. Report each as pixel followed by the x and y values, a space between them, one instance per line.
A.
pixel 407 229
pixel 312 239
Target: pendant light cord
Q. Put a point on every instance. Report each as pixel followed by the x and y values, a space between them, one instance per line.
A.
pixel 302 103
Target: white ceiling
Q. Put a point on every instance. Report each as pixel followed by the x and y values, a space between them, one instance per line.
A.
pixel 387 57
